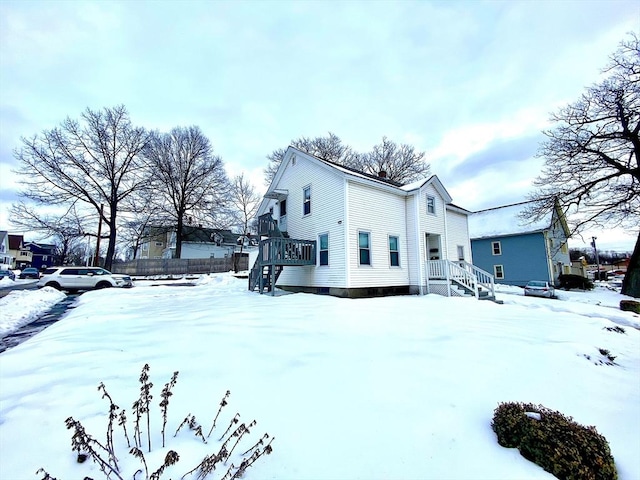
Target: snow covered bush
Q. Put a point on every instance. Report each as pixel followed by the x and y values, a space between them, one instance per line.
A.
pixel 109 454
pixel 558 444
pixel 569 281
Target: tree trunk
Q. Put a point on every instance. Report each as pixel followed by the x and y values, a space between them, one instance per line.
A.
pixel 179 228
pixel 631 282
pixel 111 249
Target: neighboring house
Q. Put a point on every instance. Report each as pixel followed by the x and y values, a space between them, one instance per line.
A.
pixel 199 242
pixel 154 242
pixel 517 250
pixel 333 230
pixel 21 256
pixel 6 260
pixel 43 255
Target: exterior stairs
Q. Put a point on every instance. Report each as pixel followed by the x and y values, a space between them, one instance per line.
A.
pixel 459 279
pixel 275 251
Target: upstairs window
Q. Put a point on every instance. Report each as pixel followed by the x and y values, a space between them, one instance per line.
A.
pixel 431 204
pixel 323 243
pixel 394 254
pixel 306 199
pixel 496 248
pixel 364 247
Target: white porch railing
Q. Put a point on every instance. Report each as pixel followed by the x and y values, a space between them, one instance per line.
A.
pixel 465 275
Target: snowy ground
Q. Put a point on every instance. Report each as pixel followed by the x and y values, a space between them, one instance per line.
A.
pixel 384 388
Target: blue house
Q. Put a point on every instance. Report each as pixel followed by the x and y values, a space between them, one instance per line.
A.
pixel 518 250
pixel 43 255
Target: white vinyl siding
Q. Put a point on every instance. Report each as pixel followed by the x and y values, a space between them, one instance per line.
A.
pixel 458 235
pixel 388 219
pixel 432 224
pixel 327 216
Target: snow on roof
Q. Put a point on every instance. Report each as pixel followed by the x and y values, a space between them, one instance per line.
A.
pixel 500 221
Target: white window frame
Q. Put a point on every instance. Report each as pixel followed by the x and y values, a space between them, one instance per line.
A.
pixel 461 257
pixel 368 233
pixel 431 204
pixel 493 248
pixel 305 202
pixel 497 268
pixel 320 249
pixel 397 251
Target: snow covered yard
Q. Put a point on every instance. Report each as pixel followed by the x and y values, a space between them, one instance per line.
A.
pixel 383 388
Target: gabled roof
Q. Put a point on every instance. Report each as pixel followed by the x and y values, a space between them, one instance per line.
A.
pixel 373 180
pixel 506 220
pixel 46 248
pixel 208 235
pixel 15 241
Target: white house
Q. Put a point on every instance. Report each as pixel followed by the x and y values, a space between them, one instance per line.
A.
pixel 6 260
pixel 200 242
pixel 330 229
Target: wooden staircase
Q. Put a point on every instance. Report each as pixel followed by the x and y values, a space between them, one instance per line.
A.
pixel 276 250
pixel 459 279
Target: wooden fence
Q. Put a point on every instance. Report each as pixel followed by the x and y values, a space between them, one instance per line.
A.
pixel 178 266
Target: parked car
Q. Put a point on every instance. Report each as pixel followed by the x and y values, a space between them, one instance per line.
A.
pixel 539 288
pixel 30 273
pixel 8 274
pixel 82 278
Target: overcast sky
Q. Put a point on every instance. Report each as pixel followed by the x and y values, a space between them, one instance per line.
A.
pixel 472 83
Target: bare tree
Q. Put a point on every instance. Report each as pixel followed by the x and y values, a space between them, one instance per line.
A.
pixel 401 163
pixel 591 156
pixel 244 200
pixel 93 161
pixel 188 178
pixel 141 216
pixel 66 230
pixel 327 148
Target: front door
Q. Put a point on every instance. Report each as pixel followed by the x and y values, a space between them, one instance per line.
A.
pixel 432 246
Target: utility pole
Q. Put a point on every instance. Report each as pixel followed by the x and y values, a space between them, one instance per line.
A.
pixel 595 249
pixel 97 260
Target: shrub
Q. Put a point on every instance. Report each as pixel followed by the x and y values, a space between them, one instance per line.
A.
pixel 630 306
pixel 105 454
pixel 568 281
pixel 616 329
pixel 553 441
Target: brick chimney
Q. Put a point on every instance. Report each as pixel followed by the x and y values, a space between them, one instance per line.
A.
pixel 382 174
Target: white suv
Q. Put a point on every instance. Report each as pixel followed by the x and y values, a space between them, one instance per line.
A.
pixel 82 278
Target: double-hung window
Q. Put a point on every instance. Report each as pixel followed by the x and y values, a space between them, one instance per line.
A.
pixel 323 250
pixel 498 271
pixel 364 248
pixel 431 204
pixel 306 200
pixel 394 254
pixel 496 248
